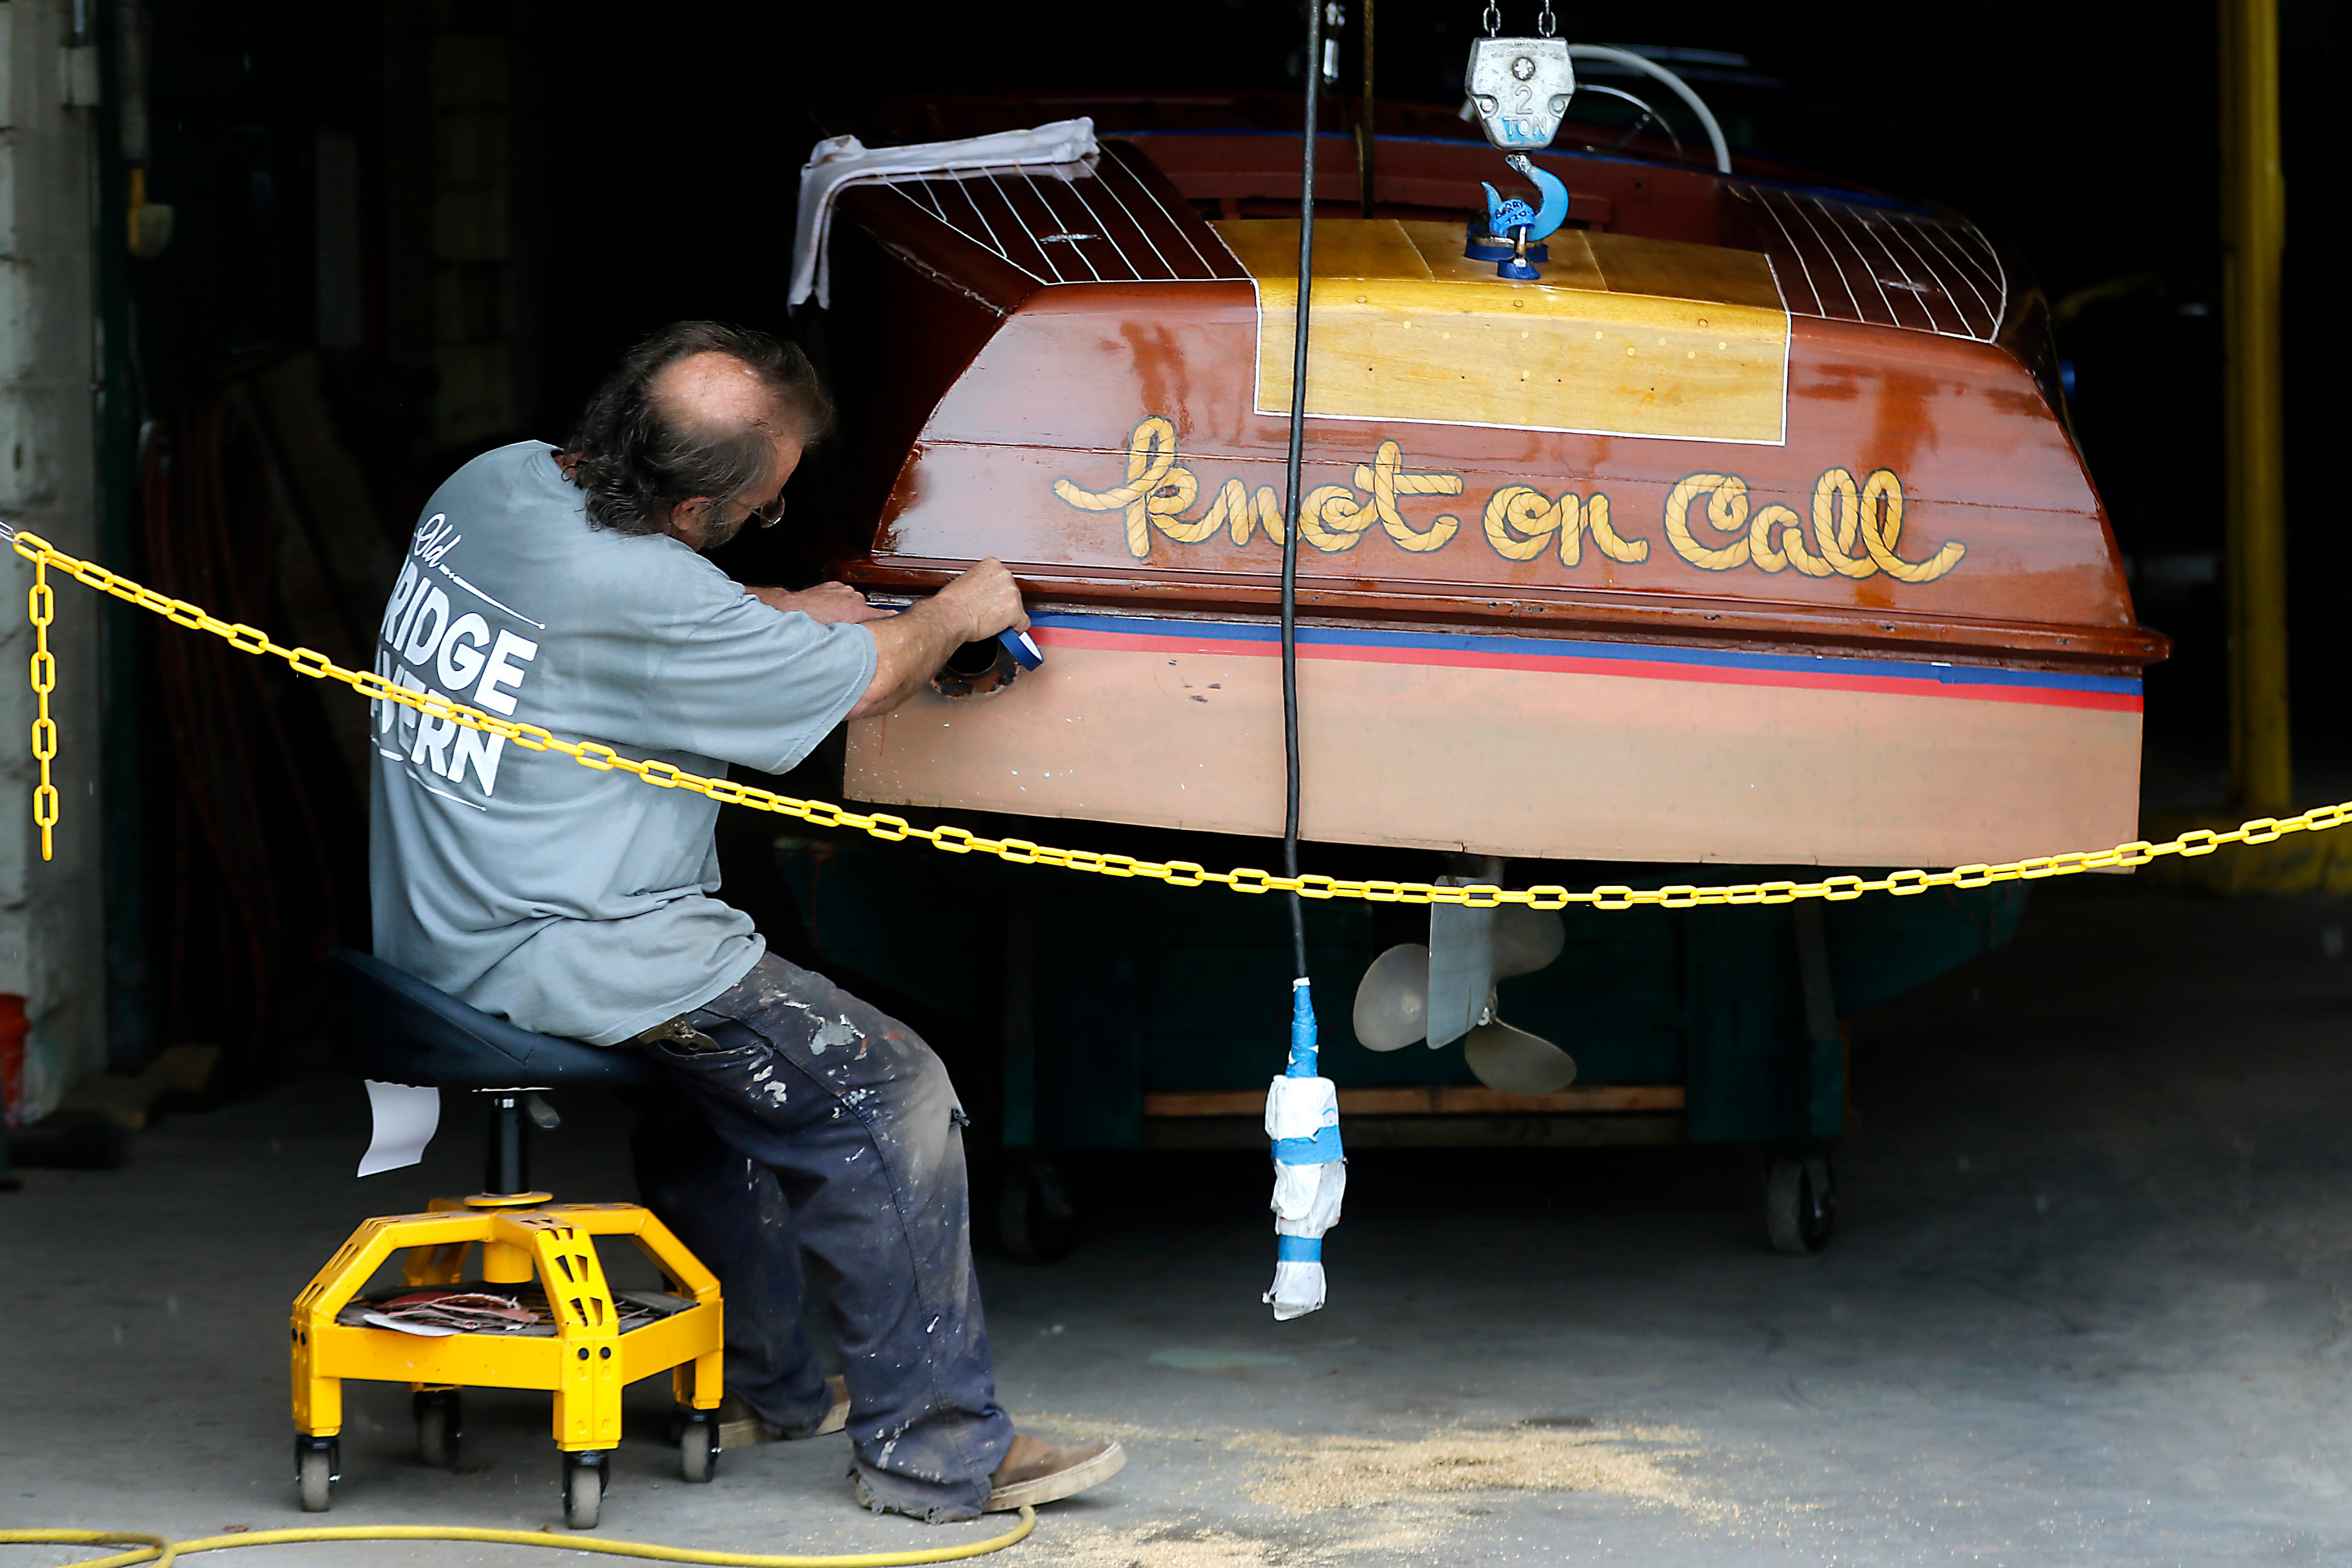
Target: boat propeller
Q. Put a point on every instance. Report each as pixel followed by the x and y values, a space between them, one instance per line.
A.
pixel 1516 1062
pixel 1443 991
pixel 1392 998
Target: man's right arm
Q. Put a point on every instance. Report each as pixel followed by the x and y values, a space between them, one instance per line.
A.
pixel 909 648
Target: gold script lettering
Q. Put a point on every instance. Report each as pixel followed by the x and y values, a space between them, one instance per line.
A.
pixel 1332 517
pixel 1151 461
pixel 1855 528
pixel 1520 521
pixel 1845 515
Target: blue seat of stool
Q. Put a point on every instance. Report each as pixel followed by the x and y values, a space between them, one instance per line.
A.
pixel 391 1027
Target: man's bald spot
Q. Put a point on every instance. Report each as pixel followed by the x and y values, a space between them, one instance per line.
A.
pixel 712 390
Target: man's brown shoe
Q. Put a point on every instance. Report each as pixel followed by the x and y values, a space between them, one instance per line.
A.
pixel 1034 1472
pixel 739 1426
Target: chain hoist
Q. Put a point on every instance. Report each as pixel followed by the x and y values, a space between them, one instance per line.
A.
pixel 1519 88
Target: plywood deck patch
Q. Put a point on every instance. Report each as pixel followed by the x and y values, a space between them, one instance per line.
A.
pixel 1621 337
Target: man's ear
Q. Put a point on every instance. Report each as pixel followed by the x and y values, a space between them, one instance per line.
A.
pixel 689 519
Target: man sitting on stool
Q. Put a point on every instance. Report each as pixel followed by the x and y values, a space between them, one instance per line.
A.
pixel 567 590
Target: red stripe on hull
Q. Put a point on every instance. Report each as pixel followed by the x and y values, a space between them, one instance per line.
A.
pixel 1569 664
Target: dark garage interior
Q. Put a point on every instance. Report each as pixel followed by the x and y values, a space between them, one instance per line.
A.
pixel 2082 1301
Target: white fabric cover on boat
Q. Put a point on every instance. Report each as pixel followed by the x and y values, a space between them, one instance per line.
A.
pixel 840 161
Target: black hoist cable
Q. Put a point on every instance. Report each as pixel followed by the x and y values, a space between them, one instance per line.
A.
pixel 1290 515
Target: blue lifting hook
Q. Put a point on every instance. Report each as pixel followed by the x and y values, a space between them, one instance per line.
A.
pixel 1515 232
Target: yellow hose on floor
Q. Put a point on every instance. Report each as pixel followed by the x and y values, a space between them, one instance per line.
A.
pixel 153 1550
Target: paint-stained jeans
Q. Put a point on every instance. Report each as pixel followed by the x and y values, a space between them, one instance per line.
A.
pixel 854 1118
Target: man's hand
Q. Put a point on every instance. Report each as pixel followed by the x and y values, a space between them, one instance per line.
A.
pixel 828 603
pixel 911 647
pixel 989 599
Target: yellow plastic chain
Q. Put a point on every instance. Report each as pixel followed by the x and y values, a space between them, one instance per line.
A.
pixel 41 604
pixel 956 840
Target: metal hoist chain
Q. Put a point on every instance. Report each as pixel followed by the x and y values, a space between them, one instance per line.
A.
pixel 956 840
pixel 1545 24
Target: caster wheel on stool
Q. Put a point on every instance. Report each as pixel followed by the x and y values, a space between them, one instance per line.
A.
pixel 697 1447
pixel 583 1490
pixel 1033 1216
pixel 438 1427
pixel 1799 1202
pixel 316 1471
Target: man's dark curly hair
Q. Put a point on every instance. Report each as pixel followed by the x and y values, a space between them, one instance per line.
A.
pixel 636 457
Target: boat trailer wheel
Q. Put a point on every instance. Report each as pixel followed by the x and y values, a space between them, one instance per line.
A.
pixel 1033 1216
pixel 1799 1202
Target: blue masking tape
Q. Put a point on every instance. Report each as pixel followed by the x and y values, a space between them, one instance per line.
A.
pixel 1299 1249
pixel 1023 647
pixel 1320 1150
pixel 1302 1032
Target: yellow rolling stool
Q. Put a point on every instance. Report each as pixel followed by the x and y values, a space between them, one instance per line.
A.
pixel 552 1322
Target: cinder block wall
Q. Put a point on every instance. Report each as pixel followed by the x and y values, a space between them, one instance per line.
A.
pixel 51 914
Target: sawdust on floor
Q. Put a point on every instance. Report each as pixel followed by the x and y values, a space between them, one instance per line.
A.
pixel 1164 1546
pixel 1310 1475
pixel 1074 1427
pixel 1409 1490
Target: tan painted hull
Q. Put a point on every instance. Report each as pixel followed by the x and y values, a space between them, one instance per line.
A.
pixel 1544 754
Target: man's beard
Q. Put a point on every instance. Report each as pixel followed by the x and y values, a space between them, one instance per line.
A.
pixel 715 534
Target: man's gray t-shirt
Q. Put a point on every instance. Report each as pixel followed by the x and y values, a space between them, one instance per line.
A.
pixel 568 901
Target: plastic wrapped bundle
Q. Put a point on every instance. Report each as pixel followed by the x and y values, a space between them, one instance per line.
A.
pixel 1310 1174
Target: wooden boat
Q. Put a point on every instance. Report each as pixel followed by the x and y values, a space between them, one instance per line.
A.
pixel 1752 532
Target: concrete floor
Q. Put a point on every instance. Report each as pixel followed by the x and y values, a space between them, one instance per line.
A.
pixel 2086 1306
